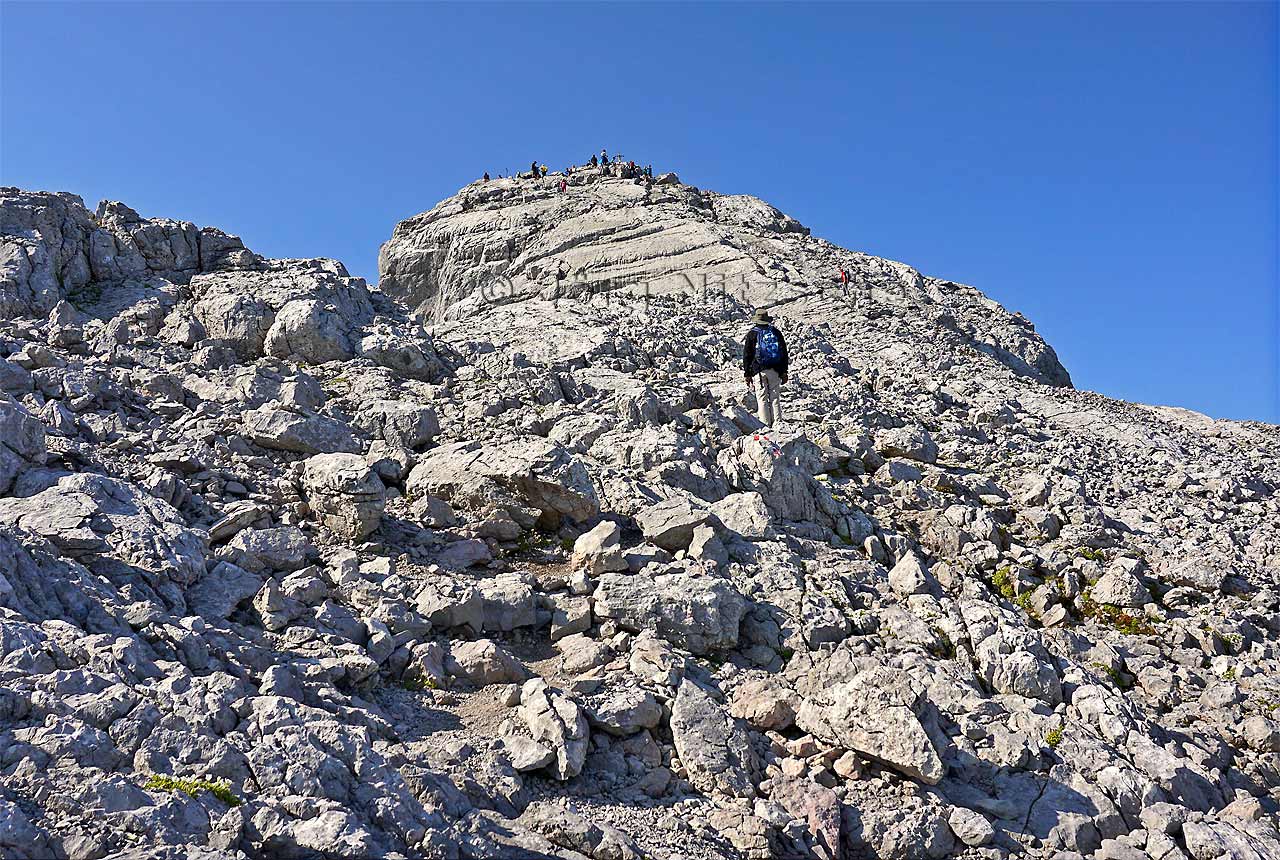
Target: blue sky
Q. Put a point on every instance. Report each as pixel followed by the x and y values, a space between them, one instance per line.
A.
pixel 1108 169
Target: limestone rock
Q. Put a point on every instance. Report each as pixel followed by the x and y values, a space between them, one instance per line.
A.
pixel 699 613
pixel 670 524
pixel 485 662
pixel 877 713
pixel 599 550
pixel 405 425
pixel 345 494
pixel 298 432
pixel 555 720
pixel 530 472
pixel 713 746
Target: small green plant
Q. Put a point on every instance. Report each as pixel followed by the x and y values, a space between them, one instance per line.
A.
pixel 1002 579
pixel 1268 705
pixel 425 682
pixel 192 787
pixel 1105 613
pixel 1053 737
pixel 1024 601
pixel 946 648
pixel 1230 674
pixel 1115 675
pixel 1091 554
pixel 566 543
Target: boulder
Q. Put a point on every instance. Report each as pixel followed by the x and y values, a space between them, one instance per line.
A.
pixel 1119 587
pixel 765 704
pixel 524 472
pixel 95 519
pixel 282 548
pixel 744 513
pixel 484 662
pixel 756 464
pixel 670 523
pixel 714 748
pixel 913 443
pixel 220 590
pixel 300 432
pixel 557 722
pixel 911 576
pixel 400 424
pixel 878 714
pixel 599 550
pixel 345 494
pixel 627 711
pixel 699 613
pixel 411 358
pixel 308 331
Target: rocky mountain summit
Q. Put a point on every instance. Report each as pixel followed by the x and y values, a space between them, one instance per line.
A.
pixel 494 561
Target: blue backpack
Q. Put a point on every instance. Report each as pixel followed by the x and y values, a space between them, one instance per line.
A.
pixel 768 349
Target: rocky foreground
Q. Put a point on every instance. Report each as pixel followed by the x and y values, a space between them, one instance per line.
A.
pixel 493 561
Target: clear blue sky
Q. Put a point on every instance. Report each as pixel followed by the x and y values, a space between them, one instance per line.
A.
pixel 1108 169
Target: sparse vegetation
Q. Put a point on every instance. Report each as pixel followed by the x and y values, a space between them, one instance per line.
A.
pixel 1117 678
pixel 946 648
pixel 1114 616
pixel 419 684
pixel 1002 579
pixel 1091 554
pixel 1053 738
pixel 193 787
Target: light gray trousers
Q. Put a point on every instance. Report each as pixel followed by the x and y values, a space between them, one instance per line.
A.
pixel 769 397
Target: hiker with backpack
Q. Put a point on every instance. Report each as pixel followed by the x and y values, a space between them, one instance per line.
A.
pixel 764 361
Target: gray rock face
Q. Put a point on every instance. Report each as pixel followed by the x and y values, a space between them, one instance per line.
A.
pixel 671 523
pixel 712 745
pixel 298 432
pixel 877 713
pixel 699 613
pixel 556 721
pixel 525 472
pixel 22 442
pixel 345 494
pixel 601 238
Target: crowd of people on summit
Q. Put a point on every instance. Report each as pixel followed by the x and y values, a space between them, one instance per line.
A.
pixel 616 167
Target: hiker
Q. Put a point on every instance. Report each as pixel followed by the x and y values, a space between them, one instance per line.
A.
pixel 533 169
pixel 604 157
pixel 486 176
pixel 564 185
pixel 543 174
pixel 764 361
pixel 594 161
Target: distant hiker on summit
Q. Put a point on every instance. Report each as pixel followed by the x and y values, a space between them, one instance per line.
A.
pixel 764 359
